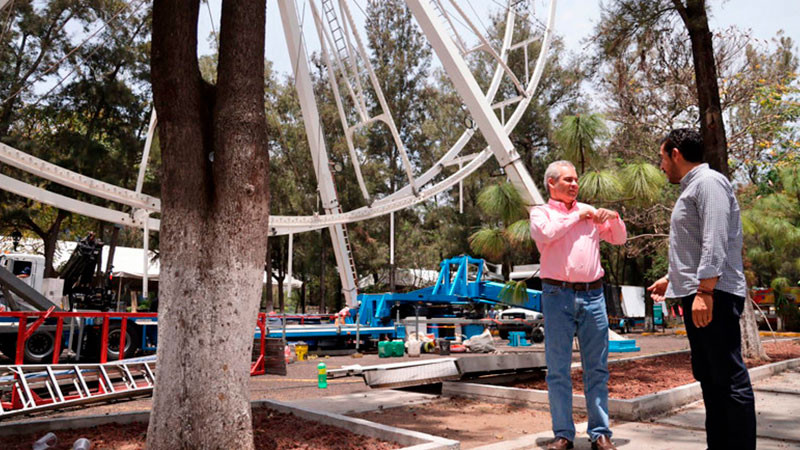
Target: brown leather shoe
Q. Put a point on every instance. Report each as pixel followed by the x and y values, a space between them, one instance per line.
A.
pixel 559 443
pixel 603 443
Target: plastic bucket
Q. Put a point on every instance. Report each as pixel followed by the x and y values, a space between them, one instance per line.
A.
pixel 398 348
pixel 413 348
pixel 384 349
pixel 302 351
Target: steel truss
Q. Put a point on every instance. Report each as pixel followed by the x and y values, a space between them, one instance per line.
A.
pixel 342 53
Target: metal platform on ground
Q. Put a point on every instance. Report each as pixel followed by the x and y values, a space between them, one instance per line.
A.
pixel 431 371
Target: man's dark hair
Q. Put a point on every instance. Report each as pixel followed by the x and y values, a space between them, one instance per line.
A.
pixel 688 141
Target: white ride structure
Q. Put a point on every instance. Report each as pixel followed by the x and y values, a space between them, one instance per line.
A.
pixel 345 58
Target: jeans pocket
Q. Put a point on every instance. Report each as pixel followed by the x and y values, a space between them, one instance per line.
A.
pixel 549 289
pixel 595 295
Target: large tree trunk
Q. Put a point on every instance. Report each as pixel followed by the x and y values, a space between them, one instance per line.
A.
pixel 711 125
pixel 50 239
pixel 215 200
pixel 268 286
pixel 303 293
pixel 751 340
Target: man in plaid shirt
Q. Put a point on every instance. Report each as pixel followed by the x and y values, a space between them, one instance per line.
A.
pixel 706 273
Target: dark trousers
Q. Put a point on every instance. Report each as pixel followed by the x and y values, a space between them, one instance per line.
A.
pixel 717 364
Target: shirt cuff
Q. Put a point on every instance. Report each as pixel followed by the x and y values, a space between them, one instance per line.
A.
pixel 705 272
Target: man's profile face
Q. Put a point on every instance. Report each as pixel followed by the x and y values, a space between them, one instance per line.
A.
pixel 565 188
pixel 669 166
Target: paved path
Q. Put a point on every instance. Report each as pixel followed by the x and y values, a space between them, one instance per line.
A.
pixel 777 406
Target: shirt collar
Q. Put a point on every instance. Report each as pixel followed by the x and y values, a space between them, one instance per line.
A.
pixel 561 206
pixel 692 175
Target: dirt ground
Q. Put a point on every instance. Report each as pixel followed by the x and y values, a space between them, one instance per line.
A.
pixel 636 378
pixel 472 422
pixel 301 379
pixel 298 434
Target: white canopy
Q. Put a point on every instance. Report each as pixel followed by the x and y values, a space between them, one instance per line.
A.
pixel 128 262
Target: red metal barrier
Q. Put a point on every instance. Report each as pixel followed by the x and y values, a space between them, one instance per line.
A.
pixel 25 331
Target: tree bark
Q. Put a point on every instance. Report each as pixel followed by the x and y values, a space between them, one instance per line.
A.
pixel 303 293
pixel 751 340
pixel 268 269
pixel 50 239
pixel 214 226
pixel 323 256
pixel 705 68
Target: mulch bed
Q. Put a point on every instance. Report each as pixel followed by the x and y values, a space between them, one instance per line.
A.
pixel 272 431
pixel 647 376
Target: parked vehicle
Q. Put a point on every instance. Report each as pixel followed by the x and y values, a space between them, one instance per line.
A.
pixel 520 319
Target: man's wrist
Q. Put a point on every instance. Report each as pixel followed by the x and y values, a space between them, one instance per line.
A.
pixel 706 291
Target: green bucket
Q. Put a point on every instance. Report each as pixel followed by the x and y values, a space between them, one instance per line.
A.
pixel 384 349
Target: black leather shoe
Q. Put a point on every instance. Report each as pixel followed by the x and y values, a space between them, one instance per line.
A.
pixel 559 443
pixel 603 443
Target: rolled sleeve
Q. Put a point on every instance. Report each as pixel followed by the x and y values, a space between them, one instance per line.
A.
pixel 714 210
pixel 545 229
pixel 614 231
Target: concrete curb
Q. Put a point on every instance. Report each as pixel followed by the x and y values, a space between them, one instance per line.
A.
pixel 412 440
pixel 70 423
pixel 636 409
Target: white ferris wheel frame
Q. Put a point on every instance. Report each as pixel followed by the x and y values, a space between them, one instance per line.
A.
pixel 450 49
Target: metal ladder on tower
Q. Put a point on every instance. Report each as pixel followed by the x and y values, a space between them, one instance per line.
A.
pixel 339 41
pixel 350 261
pixel 341 47
pixel 448 23
pixel 26 389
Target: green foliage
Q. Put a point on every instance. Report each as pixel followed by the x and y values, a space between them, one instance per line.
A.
pixel 514 292
pixel 643 183
pixel 519 234
pixel 489 242
pixel 602 185
pixel 578 136
pixel 502 201
pixel 771 225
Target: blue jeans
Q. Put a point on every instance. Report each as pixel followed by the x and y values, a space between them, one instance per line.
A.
pixel 565 312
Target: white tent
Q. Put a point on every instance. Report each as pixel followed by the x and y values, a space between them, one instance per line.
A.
pixel 128 262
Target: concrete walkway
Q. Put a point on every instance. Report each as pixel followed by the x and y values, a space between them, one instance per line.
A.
pixel 777 407
pixel 778 427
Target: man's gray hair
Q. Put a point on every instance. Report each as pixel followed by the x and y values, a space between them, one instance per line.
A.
pixel 554 171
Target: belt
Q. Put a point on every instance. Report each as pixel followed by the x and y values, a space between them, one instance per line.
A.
pixel 575 286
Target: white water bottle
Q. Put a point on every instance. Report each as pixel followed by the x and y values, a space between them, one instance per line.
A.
pixel 49 440
pixel 82 444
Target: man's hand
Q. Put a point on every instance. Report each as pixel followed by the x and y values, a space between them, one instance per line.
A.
pixel 702 307
pixel 658 289
pixel 603 215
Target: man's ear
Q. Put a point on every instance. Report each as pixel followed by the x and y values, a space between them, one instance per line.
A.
pixel 677 156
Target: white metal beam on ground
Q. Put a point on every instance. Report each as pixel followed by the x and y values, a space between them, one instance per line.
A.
pixel 316 143
pixel 470 92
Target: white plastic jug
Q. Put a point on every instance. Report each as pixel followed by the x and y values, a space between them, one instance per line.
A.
pixel 413 348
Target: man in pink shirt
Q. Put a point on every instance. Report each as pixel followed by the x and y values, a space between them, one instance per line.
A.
pixel 568 234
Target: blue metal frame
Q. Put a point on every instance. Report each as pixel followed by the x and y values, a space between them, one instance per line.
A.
pixel 375 309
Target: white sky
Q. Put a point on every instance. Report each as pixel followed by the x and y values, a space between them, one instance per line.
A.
pixel 575 20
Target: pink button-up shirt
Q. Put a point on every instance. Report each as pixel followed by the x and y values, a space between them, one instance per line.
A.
pixel 569 246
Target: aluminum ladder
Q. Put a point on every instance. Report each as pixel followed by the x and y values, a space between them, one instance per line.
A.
pixel 26 389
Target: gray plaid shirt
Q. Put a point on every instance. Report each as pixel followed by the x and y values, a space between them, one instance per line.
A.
pixel 705 235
